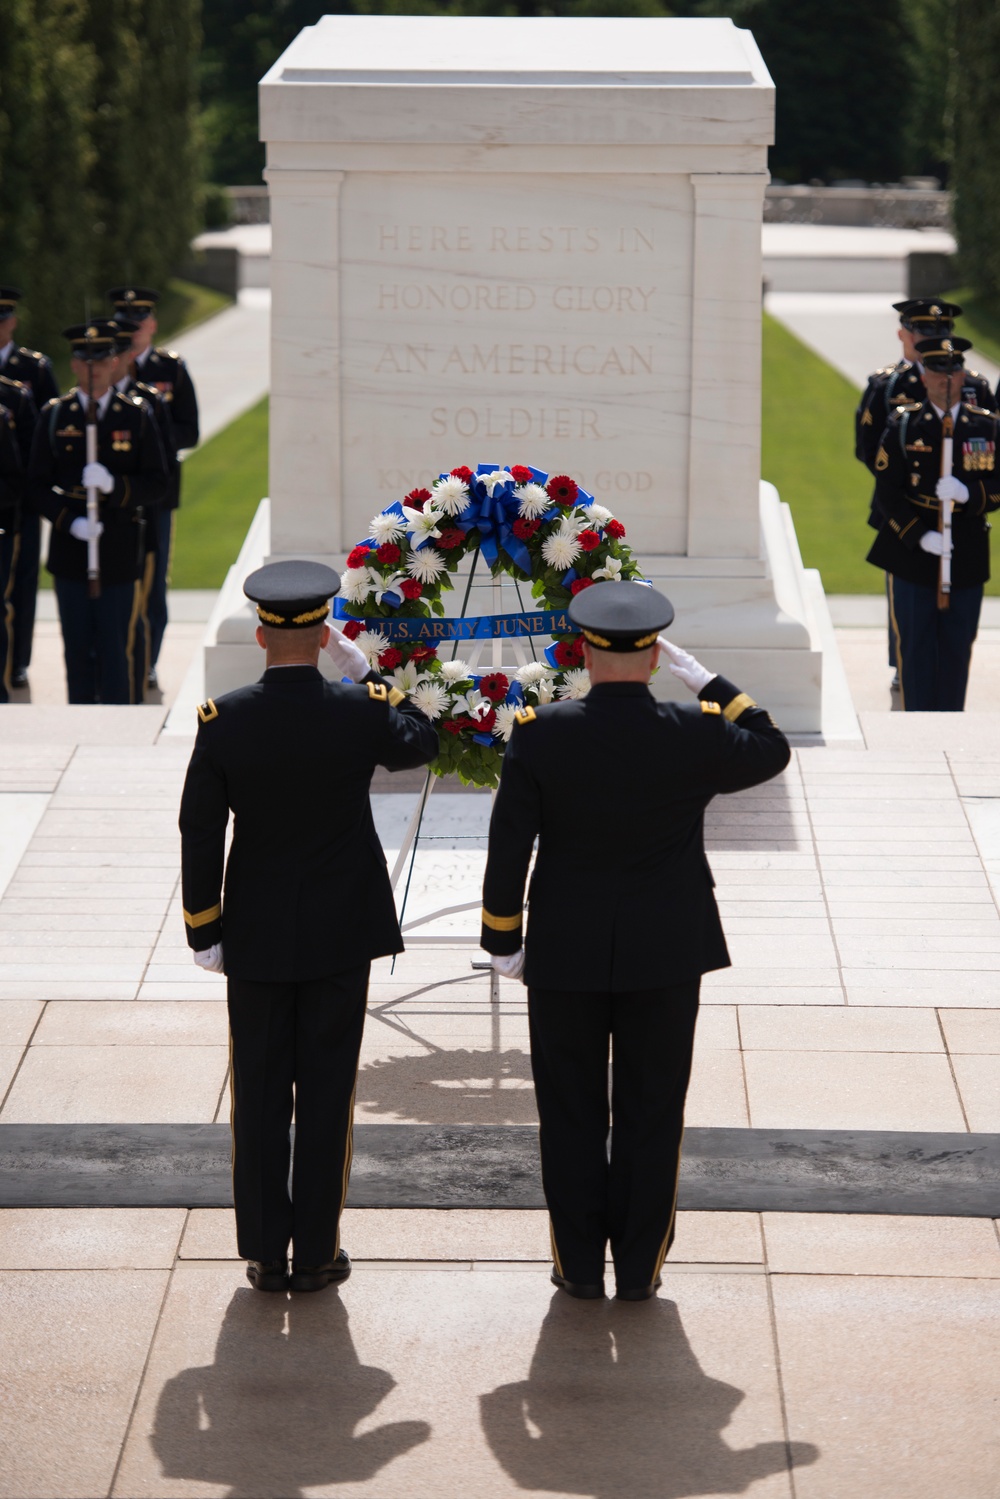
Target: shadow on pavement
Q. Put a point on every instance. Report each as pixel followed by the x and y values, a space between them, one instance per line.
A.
pixel 616 1404
pixel 451 1087
pixel 276 1412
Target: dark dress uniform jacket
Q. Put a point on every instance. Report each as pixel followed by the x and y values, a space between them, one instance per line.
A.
pixel 907 469
pixel 615 785
pixel 11 472
pixel 899 385
pixel 128 444
pixel 167 373
pixel 34 371
pixel 307 892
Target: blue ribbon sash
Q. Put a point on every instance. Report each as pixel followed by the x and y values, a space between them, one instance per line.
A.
pixel 430 631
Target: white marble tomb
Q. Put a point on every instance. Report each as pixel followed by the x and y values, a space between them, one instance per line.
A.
pixel 533 241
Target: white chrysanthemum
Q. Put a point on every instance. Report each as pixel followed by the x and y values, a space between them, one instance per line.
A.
pixel 532 501
pixel 372 643
pixel 543 690
pixel 492 481
pixel 533 673
pixel 430 697
pixel 406 678
pixel 505 722
pixel 356 584
pixel 451 495
pixel 576 683
pixel 561 548
pixel 386 527
pixel 455 671
pixel 422 524
pixel 426 566
pixel 598 515
pixel 611 572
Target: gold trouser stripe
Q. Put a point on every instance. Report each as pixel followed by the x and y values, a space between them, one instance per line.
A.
pixel 502 923
pixel 555 1251
pixel 661 1256
pixel 232 1116
pixel 130 638
pixel 9 611
pixel 899 648
pixel 739 705
pixel 147 588
pixel 170 546
pixel 202 918
pixel 349 1152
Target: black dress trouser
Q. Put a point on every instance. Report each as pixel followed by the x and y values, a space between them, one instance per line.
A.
pixel 294 1042
pixel 631 1199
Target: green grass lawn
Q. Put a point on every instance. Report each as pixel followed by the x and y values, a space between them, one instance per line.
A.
pixel 222 485
pixel 980 321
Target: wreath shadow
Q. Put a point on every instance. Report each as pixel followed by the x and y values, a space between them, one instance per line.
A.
pixel 453 1086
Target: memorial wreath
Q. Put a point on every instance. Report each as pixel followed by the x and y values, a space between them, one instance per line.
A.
pixel 535 529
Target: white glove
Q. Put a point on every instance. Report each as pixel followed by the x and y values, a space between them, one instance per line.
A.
pixel 690 671
pixel 950 488
pixel 511 966
pixel 82 530
pixel 933 542
pixel 347 658
pixel 96 476
pixel 210 958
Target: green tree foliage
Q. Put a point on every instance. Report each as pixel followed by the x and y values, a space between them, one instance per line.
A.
pixel 977 125
pixel 99 167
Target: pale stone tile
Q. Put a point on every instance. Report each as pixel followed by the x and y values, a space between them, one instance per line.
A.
pixel 776 994
pixel 18 1018
pixel 131 1023
pixel 10 1057
pixel 757 975
pixel 65 989
pixel 940 986
pixel 868 1244
pixel 70 928
pixel 896 1381
pixel 964 992
pixel 739 925
pixel 488 1385
pixel 972 1030
pixel 455 1085
pixel 935 952
pixel 71 970
pixel 717 1096
pixel 117 1085
pixel 906 929
pixel 89 1238
pixel 851 1090
pixel 71 1357
pixel 193 989
pixel 717 1029
pixel 838 1028
pixel 979 1084
pixel 716 1239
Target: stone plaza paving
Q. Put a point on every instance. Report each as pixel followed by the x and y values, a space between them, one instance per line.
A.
pixel 807 1354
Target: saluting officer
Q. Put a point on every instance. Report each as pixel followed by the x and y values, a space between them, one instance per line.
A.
pixel 291 757
pixel 166 372
pixel 33 371
pixel 934 639
pixel 12 478
pixel 131 476
pixel 630 980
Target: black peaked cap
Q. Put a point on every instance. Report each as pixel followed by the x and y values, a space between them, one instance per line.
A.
pixel 621 616
pixel 292 595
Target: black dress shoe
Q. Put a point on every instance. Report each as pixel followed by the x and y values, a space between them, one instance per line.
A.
pixel 639 1293
pixel 19 679
pixel 152 682
pixel 580 1291
pixel 315 1277
pixel 268 1275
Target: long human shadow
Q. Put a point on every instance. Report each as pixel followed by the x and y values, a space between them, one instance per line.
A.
pixel 616 1404
pixel 277 1410
pixel 447 1086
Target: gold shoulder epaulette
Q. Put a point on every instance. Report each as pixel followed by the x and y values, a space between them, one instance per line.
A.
pixel 525 715
pixel 207 711
pixel 740 703
pixel 710 708
pixel 981 411
pixel 908 406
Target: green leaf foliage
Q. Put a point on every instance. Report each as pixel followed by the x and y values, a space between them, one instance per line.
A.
pixel 977 128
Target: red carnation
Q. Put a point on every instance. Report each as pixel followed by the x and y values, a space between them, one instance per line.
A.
pixel 486 724
pixel 353 628
pixel 357 557
pixel 388 553
pixel 390 658
pixel 417 498
pixel 579 584
pixel 449 540
pixel 465 474
pixel 452 726
pixel 524 530
pixel 520 474
pixel 589 540
pixel 562 489
pixel 615 529
pixel 494 686
pixel 423 653
pixel 410 588
pixel 569 652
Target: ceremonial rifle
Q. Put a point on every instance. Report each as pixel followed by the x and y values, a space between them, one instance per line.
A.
pixel 944 520
pixel 93 505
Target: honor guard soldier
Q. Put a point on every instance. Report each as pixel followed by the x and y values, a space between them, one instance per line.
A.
pixel 33 371
pixel 167 373
pixel 129 478
pixel 12 478
pixel 630 983
pixel 291 758
pixel 934 606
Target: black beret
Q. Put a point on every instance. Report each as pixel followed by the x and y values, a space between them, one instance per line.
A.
pixel 621 616
pixel 292 595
